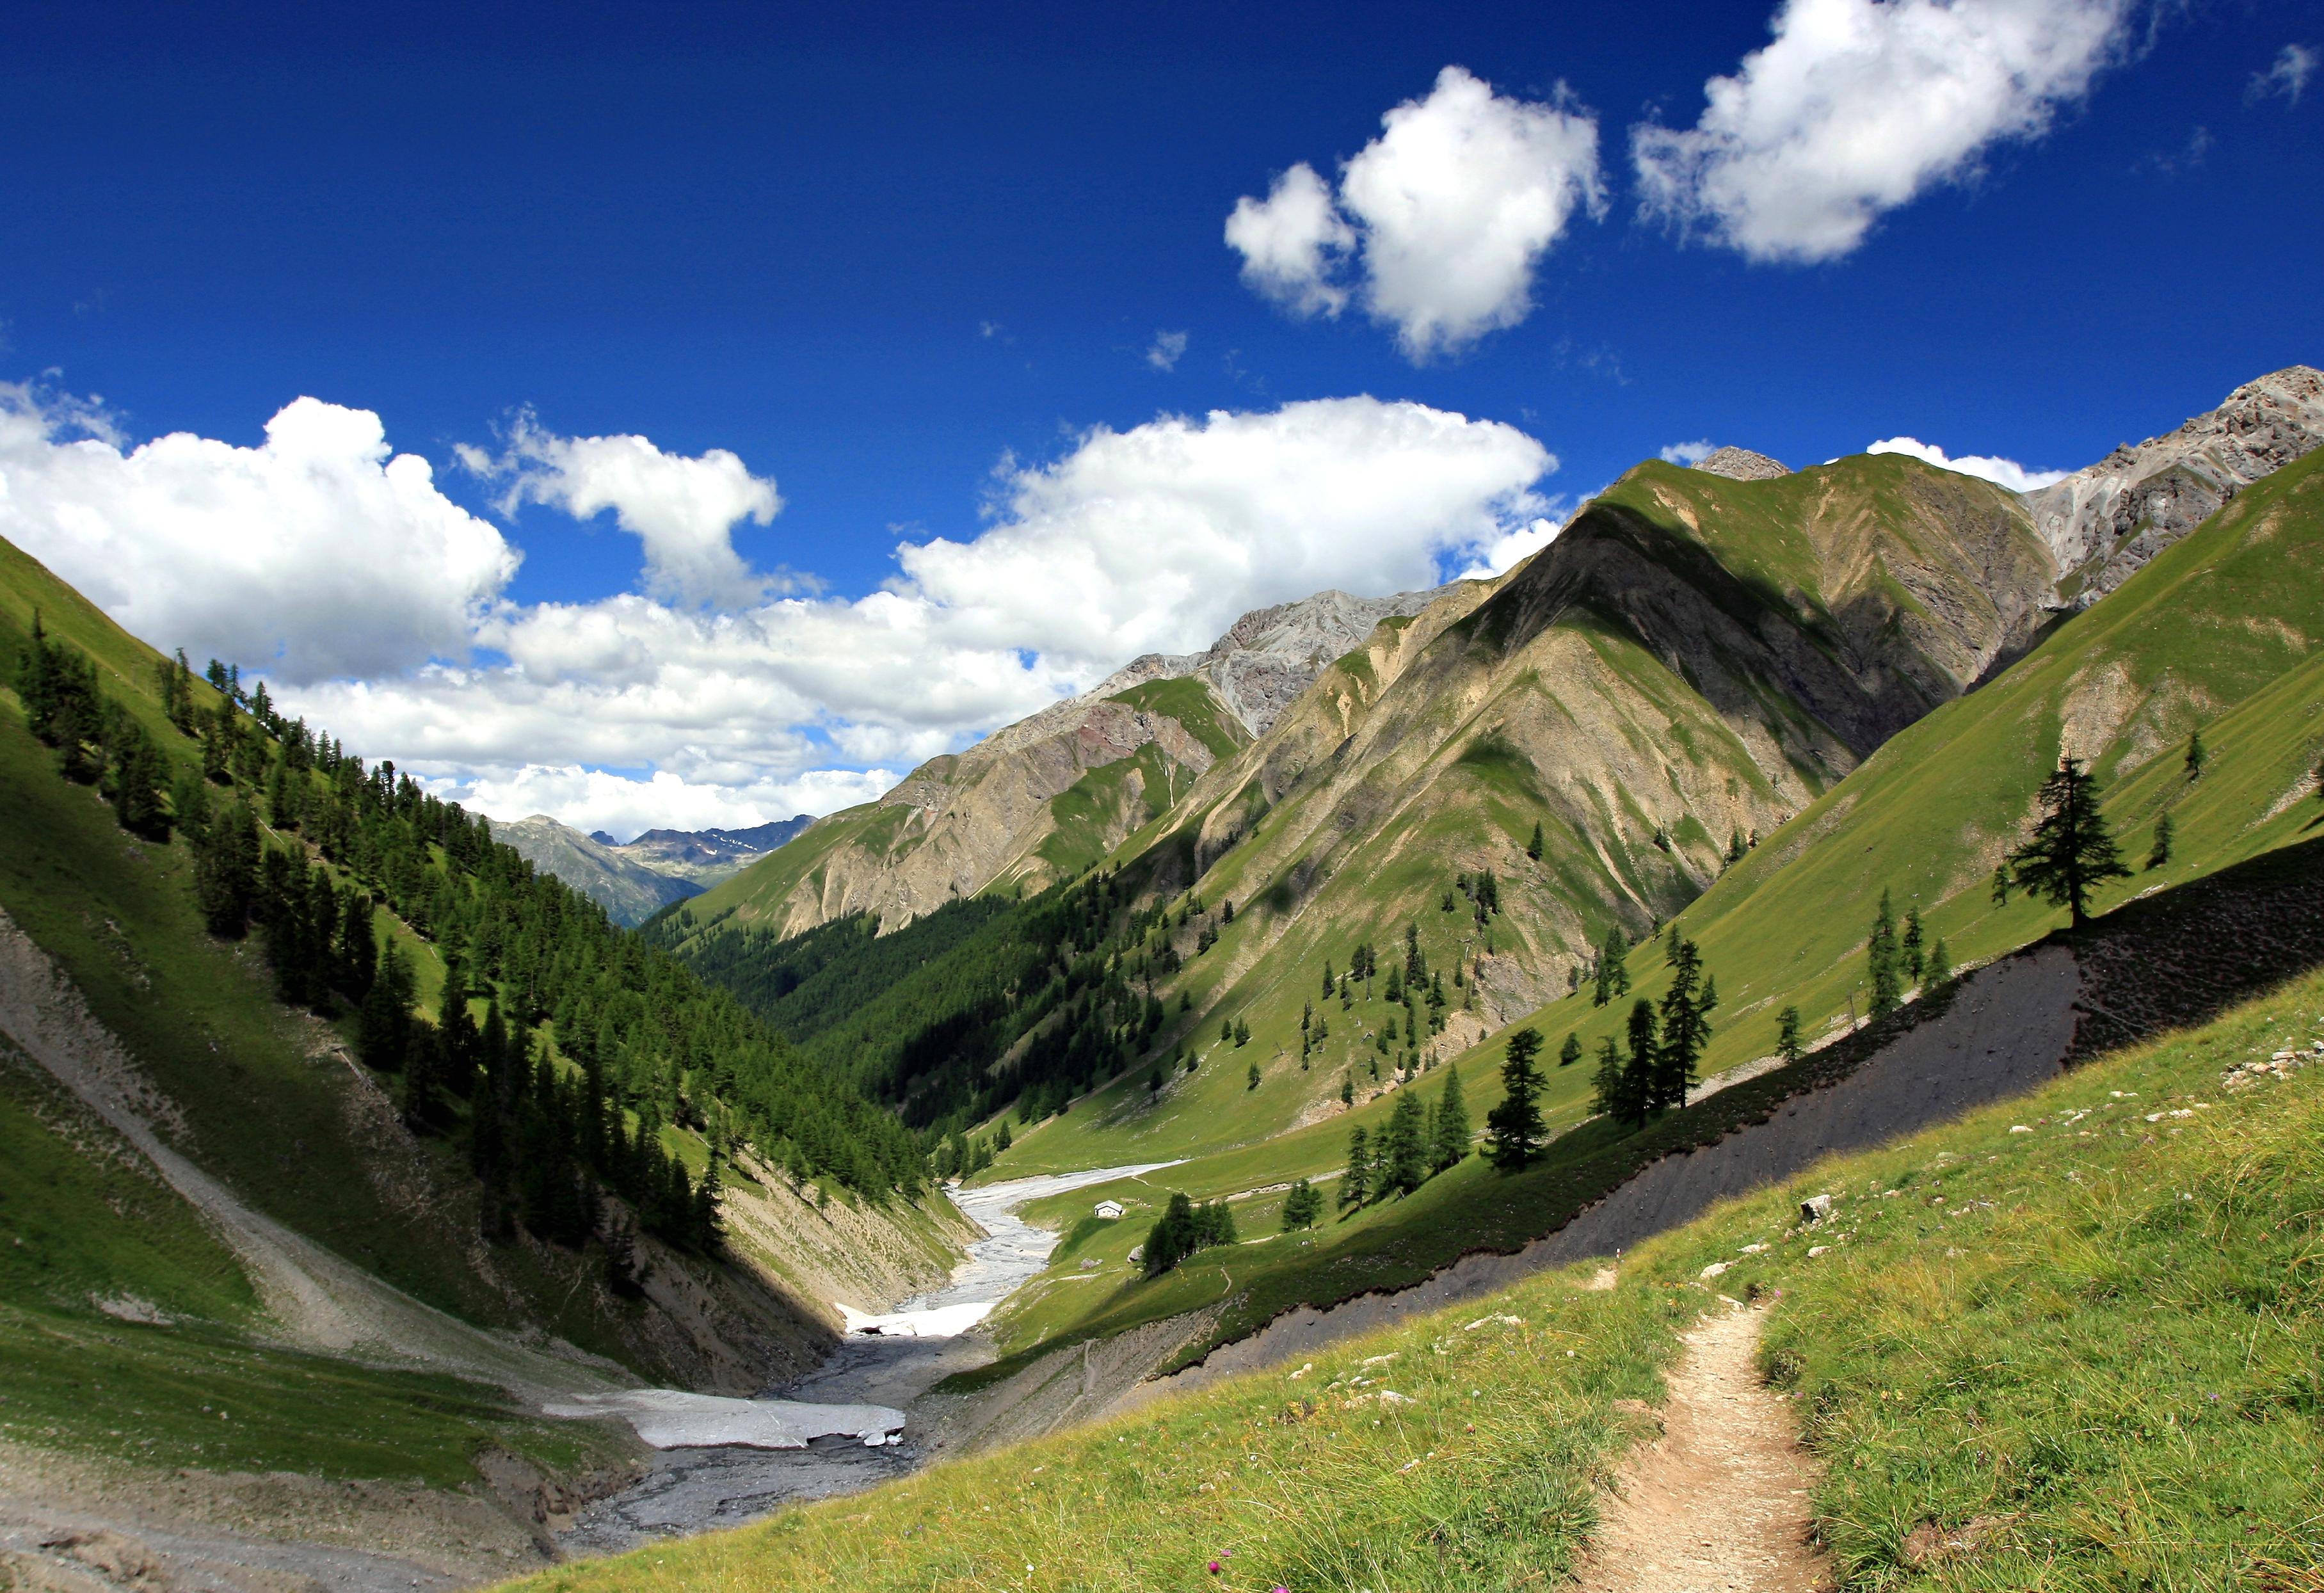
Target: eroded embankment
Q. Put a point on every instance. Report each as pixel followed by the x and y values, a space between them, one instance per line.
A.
pixel 2009 1028
pixel 2172 959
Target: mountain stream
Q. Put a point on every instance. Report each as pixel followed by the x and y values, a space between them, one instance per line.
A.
pixel 844 1426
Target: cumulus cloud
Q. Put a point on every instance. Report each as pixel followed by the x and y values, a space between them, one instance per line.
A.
pixel 1452 209
pixel 683 511
pixel 1512 548
pixel 2003 473
pixel 1164 353
pixel 316 553
pixel 591 799
pixel 2286 79
pixel 1291 242
pixel 1693 453
pixel 376 606
pixel 1858 105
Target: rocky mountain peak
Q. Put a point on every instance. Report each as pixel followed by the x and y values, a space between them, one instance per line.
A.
pixel 2104 522
pixel 1742 465
pixel 1270 655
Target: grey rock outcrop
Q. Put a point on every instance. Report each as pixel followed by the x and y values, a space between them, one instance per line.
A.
pixel 1271 655
pixel 708 856
pixel 2103 523
pixel 1742 465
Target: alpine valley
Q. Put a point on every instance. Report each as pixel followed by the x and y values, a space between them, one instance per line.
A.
pixel 1307 1113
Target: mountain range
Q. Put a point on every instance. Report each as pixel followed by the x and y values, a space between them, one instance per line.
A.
pixel 633 880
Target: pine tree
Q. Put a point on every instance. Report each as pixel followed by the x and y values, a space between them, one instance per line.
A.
pixel 226 872
pixel 1347 1088
pixel 1787 1033
pixel 1641 1096
pixel 1605 1080
pixel 2072 852
pixel 1406 1157
pixel 1881 963
pixel 1450 1137
pixel 1241 1033
pixel 1913 945
pixel 382 1023
pixel 1356 1184
pixel 1253 1085
pixel 1685 1027
pixel 2160 852
pixel 1570 1052
pixel 1940 970
pixel 1516 1124
pixel 2196 756
pixel 1533 846
pixel 1302 1207
pixel 1613 974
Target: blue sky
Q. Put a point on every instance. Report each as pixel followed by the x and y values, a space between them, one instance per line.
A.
pixel 900 264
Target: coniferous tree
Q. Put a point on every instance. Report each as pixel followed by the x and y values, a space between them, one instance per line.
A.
pixel 1640 1096
pixel 1940 970
pixel 1570 1052
pixel 1913 945
pixel 1356 1183
pixel 1449 1139
pixel 2072 853
pixel 1606 1083
pixel 1301 1208
pixel 1685 1027
pixel 1253 1082
pixel 2160 854
pixel 226 872
pixel 1533 846
pixel 384 1021
pixel 2196 756
pixel 1882 962
pixel 1516 1124
pixel 1613 969
pixel 1787 1033
pixel 1405 1160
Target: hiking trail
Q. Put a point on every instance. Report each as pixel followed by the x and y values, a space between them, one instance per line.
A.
pixel 1720 1503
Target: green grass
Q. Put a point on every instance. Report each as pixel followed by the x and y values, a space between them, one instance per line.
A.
pixel 2028 1334
pixel 1189 701
pixel 196 1395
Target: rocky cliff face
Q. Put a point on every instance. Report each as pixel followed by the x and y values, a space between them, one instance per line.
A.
pixel 2105 523
pixel 1742 464
pixel 1271 655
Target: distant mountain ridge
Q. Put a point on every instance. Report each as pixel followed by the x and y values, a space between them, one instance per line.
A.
pixel 633 881
pixel 1041 799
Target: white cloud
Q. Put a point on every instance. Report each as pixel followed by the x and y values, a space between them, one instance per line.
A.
pixel 1291 242
pixel 593 799
pixel 2286 78
pixel 1166 349
pixel 1458 199
pixel 2004 473
pixel 1858 105
pixel 1693 453
pixel 1453 206
pixel 376 606
pixel 1506 551
pixel 684 511
pixel 316 553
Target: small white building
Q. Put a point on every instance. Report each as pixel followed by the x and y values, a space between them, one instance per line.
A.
pixel 1109 1208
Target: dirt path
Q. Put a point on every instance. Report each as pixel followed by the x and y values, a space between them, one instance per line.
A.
pixel 1720 1503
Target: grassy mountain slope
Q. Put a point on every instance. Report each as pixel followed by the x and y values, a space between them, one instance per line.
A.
pixel 267 1101
pixel 2224 619
pixel 1693 660
pixel 2091 1331
pixel 1028 806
